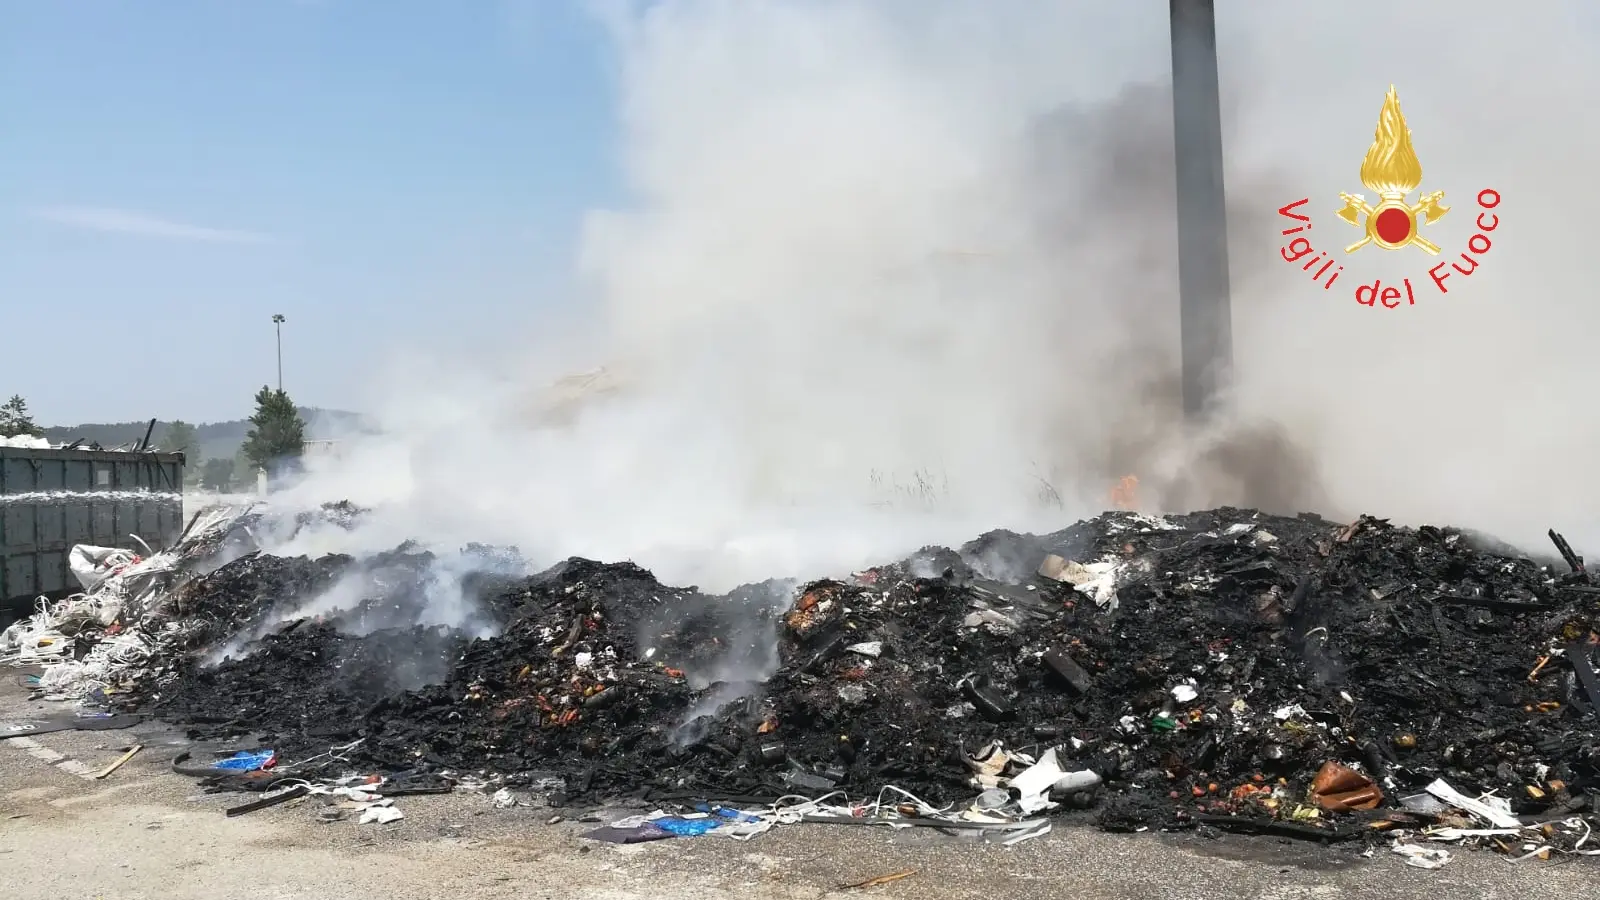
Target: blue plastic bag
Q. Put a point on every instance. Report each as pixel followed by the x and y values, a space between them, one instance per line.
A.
pixel 246 761
pixel 686 827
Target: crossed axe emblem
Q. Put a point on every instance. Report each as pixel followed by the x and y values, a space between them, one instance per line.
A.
pixel 1428 206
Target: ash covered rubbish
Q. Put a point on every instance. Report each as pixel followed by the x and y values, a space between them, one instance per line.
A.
pixel 1227 669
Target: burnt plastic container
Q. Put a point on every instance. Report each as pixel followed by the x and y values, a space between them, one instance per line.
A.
pixel 53 499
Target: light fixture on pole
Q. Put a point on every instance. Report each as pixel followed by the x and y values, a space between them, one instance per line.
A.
pixel 277 323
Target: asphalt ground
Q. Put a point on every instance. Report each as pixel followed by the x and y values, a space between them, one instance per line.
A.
pixel 145 832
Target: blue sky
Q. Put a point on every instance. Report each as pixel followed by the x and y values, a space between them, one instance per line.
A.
pixel 384 173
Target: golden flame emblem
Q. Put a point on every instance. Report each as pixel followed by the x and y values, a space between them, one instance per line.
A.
pixel 1392 171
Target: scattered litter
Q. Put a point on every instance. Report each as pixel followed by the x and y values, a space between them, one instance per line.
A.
pixel 1034 785
pixel 629 834
pixel 69 722
pixel 117 764
pixel 380 815
pixel 1492 810
pixel 270 800
pixel 873 649
pixel 683 826
pixel 881 879
pixel 1339 788
pixel 246 761
pixel 1423 857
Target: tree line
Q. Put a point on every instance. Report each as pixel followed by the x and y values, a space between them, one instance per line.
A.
pixel 274 444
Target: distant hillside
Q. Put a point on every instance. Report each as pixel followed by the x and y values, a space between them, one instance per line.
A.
pixel 216 438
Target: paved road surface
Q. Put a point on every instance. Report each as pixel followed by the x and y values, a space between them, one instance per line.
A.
pixel 144 832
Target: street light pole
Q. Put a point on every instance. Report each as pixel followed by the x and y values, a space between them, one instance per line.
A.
pixel 1205 317
pixel 277 323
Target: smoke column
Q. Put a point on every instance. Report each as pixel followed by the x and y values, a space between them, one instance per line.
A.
pixel 900 273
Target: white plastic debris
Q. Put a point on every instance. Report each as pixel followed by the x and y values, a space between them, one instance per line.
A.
pixel 1292 711
pixel 1493 810
pixel 1042 829
pixel 1101 583
pixel 1140 522
pixel 1033 785
pixel 873 649
pixel 980 617
pixel 1423 857
pixel 92 565
pixel 503 799
pixel 1427 804
pixel 1065 570
pixel 635 821
pixel 1054 567
pixel 130 592
pixel 1185 692
pixel 380 815
pixel 988 765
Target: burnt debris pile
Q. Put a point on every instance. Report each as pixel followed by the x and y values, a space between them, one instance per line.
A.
pixel 1224 666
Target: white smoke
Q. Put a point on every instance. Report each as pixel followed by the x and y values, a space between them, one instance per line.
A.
pixel 853 311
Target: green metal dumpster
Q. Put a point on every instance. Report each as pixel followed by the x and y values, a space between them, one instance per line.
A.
pixel 53 499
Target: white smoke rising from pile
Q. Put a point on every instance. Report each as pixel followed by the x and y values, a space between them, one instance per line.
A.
pixel 901 273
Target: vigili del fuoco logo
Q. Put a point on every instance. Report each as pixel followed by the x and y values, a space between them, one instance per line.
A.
pixel 1392 171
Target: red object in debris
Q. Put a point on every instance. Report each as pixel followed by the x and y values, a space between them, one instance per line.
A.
pixel 1339 788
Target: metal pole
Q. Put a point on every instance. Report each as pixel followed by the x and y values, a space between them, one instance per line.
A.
pixel 277 323
pixel 1205 318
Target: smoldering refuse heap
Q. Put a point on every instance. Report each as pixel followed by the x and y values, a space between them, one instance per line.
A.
pixel 1222 667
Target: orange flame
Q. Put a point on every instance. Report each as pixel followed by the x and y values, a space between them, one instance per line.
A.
pixel 1125 495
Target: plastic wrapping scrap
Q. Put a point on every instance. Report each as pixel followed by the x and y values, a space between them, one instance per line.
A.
pixel 685 826
pixel 1422 857
pixel 246 761
pixel 92 565
pixel 635 834
pixel 380 815
pixel 1489 812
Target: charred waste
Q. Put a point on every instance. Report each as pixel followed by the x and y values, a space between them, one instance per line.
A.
pixel 1225 668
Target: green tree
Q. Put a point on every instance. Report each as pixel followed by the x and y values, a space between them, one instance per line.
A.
pixel 216 474
pixel 15 420
pixel 277 433
pixel 180 437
